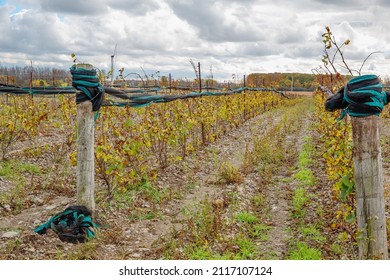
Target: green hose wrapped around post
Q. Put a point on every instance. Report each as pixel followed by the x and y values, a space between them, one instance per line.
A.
pixel 87 82
pixel 361 97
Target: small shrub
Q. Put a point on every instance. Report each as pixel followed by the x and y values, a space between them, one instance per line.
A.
pixel 229 174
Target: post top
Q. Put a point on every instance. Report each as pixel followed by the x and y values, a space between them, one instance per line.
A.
pixel 84 65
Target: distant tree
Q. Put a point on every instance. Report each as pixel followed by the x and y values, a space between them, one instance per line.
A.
pixel 164 81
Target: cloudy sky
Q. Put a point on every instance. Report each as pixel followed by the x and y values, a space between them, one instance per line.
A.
pixel 227 36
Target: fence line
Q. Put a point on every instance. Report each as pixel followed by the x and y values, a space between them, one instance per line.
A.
pixel 138 97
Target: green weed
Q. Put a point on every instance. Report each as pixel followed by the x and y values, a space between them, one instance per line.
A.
pixel 260 231
pixel 246 217
pixel 299 200
pixel 144 215
pixel 302 251
pixel 306 154
pixel 247 249
pixel 12 169
pixel 15 197
pixel 312 233
pixel 259 202
pixel 305 177
pixel 83 251
pixel 337 248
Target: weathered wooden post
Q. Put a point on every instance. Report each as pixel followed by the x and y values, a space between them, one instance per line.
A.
pixel 85 152
pixel 363 99
pixel 244 99
pixel 200 78
pixel 85 155
pixel 370 203
pixel 170 83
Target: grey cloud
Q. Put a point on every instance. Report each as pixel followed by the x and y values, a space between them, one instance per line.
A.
pixel 4 13
pixel 359 55
pixel 345 3
pixel 211 23
pixel 289 36
pixel 135 7
pixel 383 3
pixel 30 33
pixel 258 49
pixel 80 7
pixel 305 51
pixel 360 24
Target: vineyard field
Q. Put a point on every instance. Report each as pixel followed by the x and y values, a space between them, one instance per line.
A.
pixel 244 177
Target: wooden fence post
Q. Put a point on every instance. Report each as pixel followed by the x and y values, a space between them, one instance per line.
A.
pixel 370 203
pixel 85 152
pixel 200 78
pixel 170 83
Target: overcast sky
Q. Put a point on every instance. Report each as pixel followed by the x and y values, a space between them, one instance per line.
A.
pixel 229 36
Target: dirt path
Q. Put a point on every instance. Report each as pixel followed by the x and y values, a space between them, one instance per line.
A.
pixel 229 149
pixel 201 172
pixel 280 197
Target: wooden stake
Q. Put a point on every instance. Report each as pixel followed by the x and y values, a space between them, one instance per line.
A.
pixel 370 203
pixel 85 153
pixel 170 83
pixel 200 78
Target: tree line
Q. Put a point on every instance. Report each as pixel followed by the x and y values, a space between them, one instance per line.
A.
pixel 283 80
pixel 34 76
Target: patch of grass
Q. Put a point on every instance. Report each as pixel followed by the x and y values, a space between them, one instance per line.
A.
pixel 7 247
pixel 302 251
pixel 150 192
pixel 144 215
pixel 306 154
pixel 123 200
pixel 299 200
pixel 15 198
pixel 13 169
pixel 260 231
pixel 200 253
pixel 6 169
pixel 337 248
pixel 305 177
pixel 287 180
pixel 83 251
pixel 29 168
pixel 246 217
pixel 259 202
pixel 247 249
pixel 312 233
pixel 191 186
